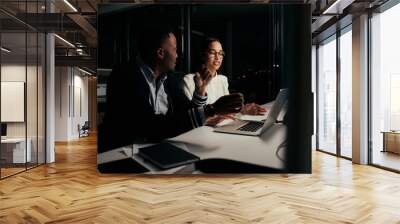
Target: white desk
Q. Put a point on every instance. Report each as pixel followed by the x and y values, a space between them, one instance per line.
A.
pixel 207 144
pixel 16 146
pixel 261 151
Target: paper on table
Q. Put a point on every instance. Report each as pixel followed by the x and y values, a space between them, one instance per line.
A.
pixel 252 117
pixel 224 122
pixel 256 117
pixel 245 117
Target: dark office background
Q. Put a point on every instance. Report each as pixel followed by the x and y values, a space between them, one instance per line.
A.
pixel 250 35
pixel 258 40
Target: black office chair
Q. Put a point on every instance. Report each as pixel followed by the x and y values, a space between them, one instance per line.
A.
pixel 84 130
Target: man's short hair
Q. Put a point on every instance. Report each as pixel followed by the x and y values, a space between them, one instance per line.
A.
pixel 151 39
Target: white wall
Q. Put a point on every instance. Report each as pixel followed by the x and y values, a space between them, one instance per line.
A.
pixel 62 81
pixel 17 72
pixel 10 73
pixel 12 101
pixel 13 72
pixel 81 81
pixel 33 126
pixel 71 93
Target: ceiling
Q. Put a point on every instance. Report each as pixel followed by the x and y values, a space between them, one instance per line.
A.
pixel 73 20
pixel 76 22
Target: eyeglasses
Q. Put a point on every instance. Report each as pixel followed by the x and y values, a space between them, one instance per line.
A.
pixel 214 53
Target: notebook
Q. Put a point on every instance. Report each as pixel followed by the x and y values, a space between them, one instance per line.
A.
pixel 166 156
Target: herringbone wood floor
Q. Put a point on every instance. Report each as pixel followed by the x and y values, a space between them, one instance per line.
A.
pixel 71 191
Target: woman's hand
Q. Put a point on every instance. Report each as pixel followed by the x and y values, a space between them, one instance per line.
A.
pixel 253 109
pixel 228 104
pixel 202 79
pixel 213 121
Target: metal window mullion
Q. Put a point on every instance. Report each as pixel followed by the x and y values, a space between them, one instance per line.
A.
pixel 317 96
pixel 73 91
pixel 45 93
pixel 37 93
pixel 338 98
pixel 369 78
pixel 60 76
pixel 26 87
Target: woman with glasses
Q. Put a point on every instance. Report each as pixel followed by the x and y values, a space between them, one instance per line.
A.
pixel 206 82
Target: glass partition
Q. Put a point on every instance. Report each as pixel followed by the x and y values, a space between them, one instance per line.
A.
pixel 31 99
pixel 22 88
pixel 14 153
pixel 385 89
pixel 41 91
pixel 346 93
pixel 327 96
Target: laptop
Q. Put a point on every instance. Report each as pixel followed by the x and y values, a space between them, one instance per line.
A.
pixel 256 128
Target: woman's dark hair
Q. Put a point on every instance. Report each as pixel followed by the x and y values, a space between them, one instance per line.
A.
pixel 206 44
pixel 203 50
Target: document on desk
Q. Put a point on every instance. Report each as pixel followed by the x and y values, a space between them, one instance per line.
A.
pixel 243 117
pixel 252 117
pixel 246 117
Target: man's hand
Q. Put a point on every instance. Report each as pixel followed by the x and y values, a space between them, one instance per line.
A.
pixel 228 104
pixel 202 80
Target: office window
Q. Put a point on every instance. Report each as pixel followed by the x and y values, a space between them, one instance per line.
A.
pixel 327 95
pixel 41 80
pixel 31 100
pixel 385 87
pixel 35 87
pixel 346 93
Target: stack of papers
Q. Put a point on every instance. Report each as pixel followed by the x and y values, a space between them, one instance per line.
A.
pixel 244 117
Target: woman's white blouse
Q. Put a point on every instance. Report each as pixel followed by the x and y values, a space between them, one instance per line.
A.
pixel 217 87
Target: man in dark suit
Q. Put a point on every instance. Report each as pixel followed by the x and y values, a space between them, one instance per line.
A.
pixel 146 104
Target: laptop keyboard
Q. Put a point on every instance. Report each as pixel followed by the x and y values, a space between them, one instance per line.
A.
pixel 251 126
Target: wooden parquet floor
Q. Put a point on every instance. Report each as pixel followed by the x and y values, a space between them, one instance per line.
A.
pixel 71 191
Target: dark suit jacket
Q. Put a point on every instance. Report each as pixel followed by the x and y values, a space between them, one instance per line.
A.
pixel 130 117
